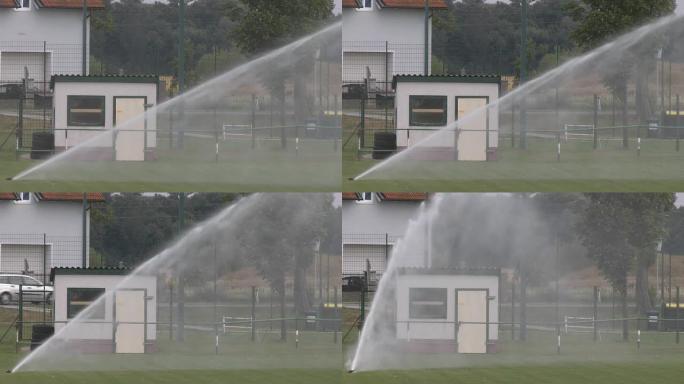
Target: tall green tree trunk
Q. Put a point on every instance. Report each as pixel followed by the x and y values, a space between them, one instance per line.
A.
pixel 643 297
pixel 302 299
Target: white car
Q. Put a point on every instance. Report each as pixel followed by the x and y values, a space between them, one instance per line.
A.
pixel 32 289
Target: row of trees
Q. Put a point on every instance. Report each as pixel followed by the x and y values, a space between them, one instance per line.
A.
pixel 476 36
pixel 619 233
pixel 277 237
pixel 133 36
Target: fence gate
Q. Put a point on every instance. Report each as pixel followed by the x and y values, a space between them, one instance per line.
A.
pixel 130 319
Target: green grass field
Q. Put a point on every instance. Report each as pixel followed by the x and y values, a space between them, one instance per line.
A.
pixel 608 361
pixel 581 168
pixel 318 360
pixel 315 360
pixel 314 166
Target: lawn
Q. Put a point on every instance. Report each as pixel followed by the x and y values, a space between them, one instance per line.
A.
pixel 588 373
pixel 581 168
pixel 315 360
pixel 309 164
pixel 318 360
pixel 659 360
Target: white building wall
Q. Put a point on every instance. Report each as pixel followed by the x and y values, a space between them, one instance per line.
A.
pixel 109 90
pixel 60 29
pixel 409 134
pixel 92 331
pixel 438 329
pixel 370 230
pixel 401 32
pixel 60 221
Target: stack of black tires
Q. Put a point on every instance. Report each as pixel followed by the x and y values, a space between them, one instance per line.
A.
pixel 384 145
pixel 40 333
pixel 43 145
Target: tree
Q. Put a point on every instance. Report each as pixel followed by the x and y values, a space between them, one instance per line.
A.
pixel 601 20
pixel 132 227
pixel 279 239
pixel 267 24
pixel 620 232
pixel 478 37
pixel 674 241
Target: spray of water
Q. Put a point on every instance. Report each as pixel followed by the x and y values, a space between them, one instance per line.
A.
pixel 243 121
pixel 452 231
pixel 226 243
pixel 570 118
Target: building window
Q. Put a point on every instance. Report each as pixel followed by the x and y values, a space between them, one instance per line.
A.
pixel 366 198
pixel 427 303
pixel 367 5
pixel 24 198
pixel 24 5
pixel 80 298
pixel 86 111
pixel 428 110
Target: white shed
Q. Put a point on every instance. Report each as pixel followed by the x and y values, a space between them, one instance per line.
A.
pixel 123 321
pixel 426 104
pixel 86 105
pixel 448 309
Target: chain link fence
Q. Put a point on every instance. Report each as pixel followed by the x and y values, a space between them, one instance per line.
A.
pixel 26 68
pixel 363 252
pixel 36 254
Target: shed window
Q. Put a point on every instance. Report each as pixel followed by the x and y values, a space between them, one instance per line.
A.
pixel 428 110
pixel 86 111
pixel 80 298
pixel 428 303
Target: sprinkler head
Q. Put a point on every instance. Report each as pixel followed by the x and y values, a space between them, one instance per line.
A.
pixel 350 371
pixel 8 371
pixel 8 178
pixel 351 179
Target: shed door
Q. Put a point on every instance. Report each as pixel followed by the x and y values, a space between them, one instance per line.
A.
pixel 472 140
pixel 130 308
pixel 130 142
pixel 472 307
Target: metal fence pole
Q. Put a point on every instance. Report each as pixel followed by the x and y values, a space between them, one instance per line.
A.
pixel 677 317
pixel 386 82
pixel 677 123
pixel 253 336
pixel 513 310
pixel 596 105
pixel 337 318
pixel 171 310
pixel 253 121
pixel 20 306
pixel 595 318
pixel 44 269
pixel 513 126
pixel 44 83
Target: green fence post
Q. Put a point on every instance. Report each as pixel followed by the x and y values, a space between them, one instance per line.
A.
pixel 253 121
pixel 337 317
pixel 596 106
pixel 677 123
pixel 21 312
pixel 677 317
pixel 253 313
pixel 595 322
